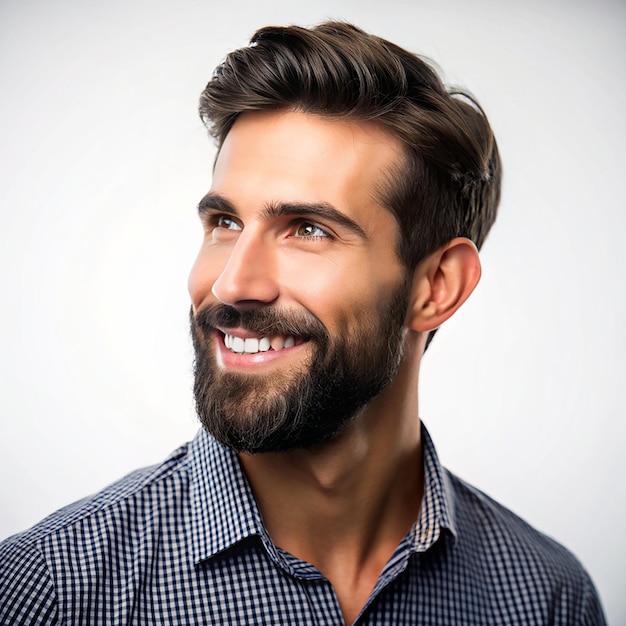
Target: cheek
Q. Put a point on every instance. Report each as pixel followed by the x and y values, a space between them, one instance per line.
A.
pixel 334 292
pixel 317 276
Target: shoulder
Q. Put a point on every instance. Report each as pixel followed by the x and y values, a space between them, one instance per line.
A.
pixel 26 591
pixel 133 490
pixel 520 559
pixel 482 519
pixel 76 534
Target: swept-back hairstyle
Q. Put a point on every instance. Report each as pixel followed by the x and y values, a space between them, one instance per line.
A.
pixel 449 184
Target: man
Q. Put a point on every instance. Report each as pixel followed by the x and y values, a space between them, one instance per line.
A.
pixel 349 197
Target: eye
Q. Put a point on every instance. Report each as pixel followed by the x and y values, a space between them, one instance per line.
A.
pixel 223 221
pixel 309 231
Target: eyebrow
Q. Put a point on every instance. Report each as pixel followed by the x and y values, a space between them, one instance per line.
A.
pixel 322 210
pixel 214 202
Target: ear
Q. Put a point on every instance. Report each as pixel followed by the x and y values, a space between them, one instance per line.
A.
pixel 442 282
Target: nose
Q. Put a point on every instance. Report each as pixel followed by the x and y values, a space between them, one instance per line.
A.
pixel 249 275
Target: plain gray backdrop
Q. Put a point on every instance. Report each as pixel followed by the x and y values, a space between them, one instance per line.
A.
pixel 103 160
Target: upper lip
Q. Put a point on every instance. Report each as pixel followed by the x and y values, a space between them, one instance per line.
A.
pixel 244 333
pixel 241 332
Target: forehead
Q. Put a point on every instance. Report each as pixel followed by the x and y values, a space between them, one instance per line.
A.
pixel 288 156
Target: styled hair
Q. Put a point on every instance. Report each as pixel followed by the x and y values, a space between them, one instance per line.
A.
pixel 449 183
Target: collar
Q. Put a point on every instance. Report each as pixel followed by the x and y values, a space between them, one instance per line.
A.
pixel 437 512
pixel 224 511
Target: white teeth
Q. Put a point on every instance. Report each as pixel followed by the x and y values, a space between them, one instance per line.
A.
pixel 252 345
pixel 238 345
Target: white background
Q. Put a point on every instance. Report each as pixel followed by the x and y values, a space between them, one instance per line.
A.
pixel 103 160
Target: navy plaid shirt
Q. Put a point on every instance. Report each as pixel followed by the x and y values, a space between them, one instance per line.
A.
pixel 184 543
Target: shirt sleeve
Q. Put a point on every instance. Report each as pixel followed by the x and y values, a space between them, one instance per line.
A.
pixel 27 595
pixel 593 615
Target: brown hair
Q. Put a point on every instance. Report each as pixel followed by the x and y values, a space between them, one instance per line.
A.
pixel 450 183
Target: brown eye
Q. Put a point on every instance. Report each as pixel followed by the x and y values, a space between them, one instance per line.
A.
pixel 306 229
pixel 223 221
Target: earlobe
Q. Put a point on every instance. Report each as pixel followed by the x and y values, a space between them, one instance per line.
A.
pixel 442 282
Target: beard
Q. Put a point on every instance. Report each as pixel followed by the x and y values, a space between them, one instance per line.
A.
pixel 308 404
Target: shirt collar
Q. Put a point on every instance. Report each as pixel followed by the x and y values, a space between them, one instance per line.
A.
pixel 224 511
pixel 437 512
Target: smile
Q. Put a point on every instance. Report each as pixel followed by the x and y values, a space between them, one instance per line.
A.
pixel 252 345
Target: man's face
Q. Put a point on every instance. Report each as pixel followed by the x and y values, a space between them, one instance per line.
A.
pixel 298 296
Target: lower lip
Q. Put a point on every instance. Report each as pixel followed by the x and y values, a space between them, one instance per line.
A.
pixel 228 359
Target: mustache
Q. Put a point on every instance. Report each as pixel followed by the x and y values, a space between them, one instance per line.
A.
pixel 262 321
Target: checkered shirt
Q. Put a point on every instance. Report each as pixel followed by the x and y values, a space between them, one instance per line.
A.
pixel 183 543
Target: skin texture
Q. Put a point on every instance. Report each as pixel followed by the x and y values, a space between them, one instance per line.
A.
pixel 344 505
pixel 357 303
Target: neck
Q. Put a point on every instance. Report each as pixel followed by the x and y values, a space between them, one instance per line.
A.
pixel 345 506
